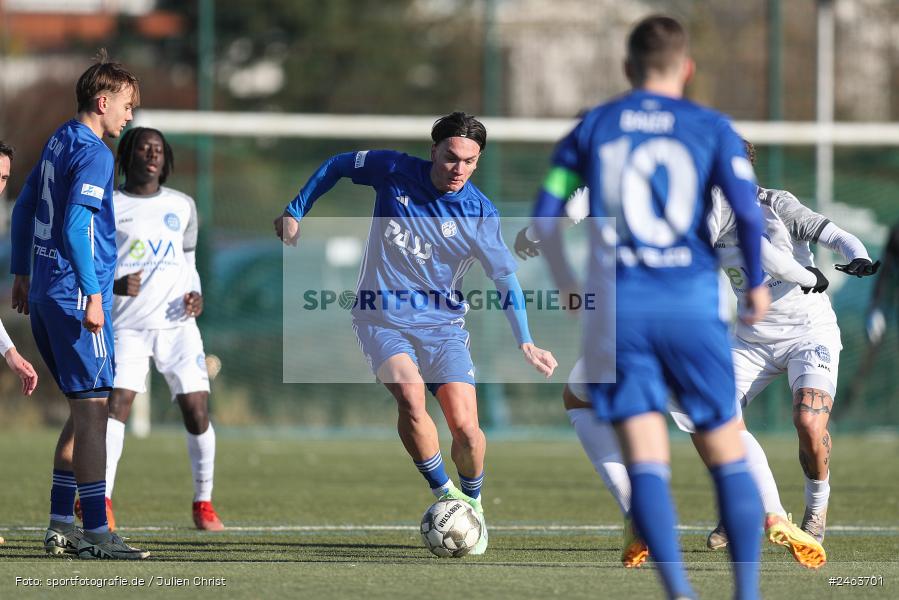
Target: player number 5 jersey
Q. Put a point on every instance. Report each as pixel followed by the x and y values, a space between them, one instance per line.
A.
pixel 153 233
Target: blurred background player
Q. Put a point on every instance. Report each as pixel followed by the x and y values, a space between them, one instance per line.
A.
pixel 650 159
pixel 884 293
pixel 19 365
pixel 883 296
pixel 157 299
pixel 413 347
pixel 64 218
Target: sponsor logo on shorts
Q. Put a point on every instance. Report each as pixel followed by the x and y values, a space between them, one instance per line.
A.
pixel 404 200
pixel 172 221
pixel 360 159
pixel 823 353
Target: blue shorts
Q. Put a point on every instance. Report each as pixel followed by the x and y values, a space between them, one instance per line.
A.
pixel 655 358
pixel 82 363
pixel 441 353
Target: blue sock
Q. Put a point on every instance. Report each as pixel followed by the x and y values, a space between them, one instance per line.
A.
pixel 471 486
pixel 433 471
pixel 653 514
pixel 741 512
pixel 62 496
pixel 93 505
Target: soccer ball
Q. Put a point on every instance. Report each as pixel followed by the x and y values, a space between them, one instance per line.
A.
pixel 450 528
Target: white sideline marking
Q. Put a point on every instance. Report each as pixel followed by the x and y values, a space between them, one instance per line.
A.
pixel 524 528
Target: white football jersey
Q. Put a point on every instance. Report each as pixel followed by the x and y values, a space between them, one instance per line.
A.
pixel 789 226
pixel 153 234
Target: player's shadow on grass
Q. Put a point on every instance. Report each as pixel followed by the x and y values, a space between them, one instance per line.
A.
pixel 591 550
pixel 242 544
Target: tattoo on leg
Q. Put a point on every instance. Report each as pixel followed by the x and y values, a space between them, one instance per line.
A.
pixel 826 442
pixel 816 402
pixel 808 465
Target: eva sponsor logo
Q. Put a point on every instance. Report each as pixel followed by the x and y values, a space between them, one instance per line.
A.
pixel 140 248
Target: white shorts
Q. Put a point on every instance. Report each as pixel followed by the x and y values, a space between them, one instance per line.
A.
pixel 810 361
pixel 177 353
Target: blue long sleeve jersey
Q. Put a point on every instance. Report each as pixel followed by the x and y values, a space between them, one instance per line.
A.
pixel 63 224
pixel 421 244
pixel 650 162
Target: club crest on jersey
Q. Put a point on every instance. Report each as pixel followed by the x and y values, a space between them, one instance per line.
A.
pixel 449 229
pixel 172 221
pixel 823 353
pixel 407 242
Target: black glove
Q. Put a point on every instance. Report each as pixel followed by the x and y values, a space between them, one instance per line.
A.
pixel 860 267
pixel 819 286
pixel 524 247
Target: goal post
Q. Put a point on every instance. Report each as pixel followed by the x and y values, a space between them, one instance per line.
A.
pixel 261 157
pixel 404 127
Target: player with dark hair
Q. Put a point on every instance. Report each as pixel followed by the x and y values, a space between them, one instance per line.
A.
pixel 430 225
pixel 6 154
pixel 650 159
pixel 799 337
pixel 136 139
pixel 157 299
pixel 63 257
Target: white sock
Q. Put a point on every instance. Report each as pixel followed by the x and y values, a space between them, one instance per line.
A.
pixel 601 445
pixel 201 449
pixel 115 443
pixel 761 473
pixel 817 493
pixel 439 491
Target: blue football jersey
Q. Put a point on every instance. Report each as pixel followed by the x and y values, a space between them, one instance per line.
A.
pixel 650 162
pixel 75 167
pixel 422 242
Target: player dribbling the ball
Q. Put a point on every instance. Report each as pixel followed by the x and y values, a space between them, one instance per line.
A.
pixel 431 224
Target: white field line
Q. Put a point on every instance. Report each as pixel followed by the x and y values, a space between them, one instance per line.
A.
pixel 498 528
